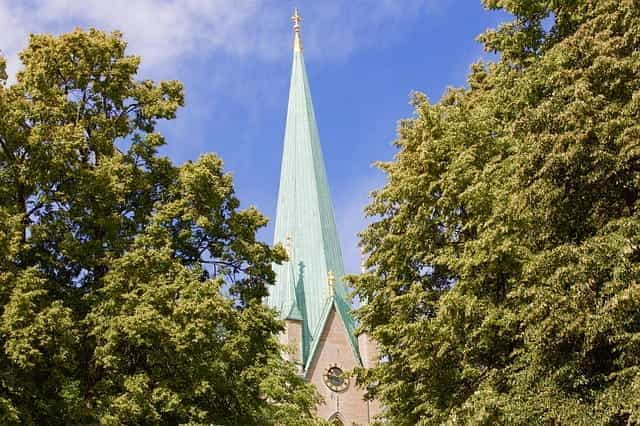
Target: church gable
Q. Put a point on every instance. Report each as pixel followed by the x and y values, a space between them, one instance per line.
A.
pixel 342 399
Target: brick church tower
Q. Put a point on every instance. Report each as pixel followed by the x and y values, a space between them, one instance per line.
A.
pixel 309 292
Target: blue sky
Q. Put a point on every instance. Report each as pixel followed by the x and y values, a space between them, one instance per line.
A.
pixel 363 59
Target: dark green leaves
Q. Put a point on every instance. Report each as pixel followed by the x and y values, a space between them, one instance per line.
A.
pixel 114 262
pixel 504 263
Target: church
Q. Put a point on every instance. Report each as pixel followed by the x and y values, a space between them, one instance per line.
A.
pixel 309 292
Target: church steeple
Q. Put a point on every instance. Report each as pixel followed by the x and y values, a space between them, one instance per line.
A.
pixel 310 284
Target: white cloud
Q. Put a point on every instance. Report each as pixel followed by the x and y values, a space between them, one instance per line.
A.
pixel 162 31
pixel 166 31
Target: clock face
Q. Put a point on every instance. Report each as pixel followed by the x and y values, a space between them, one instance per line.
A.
pixel 336 379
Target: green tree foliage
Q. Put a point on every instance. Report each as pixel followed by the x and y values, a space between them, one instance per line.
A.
pixel 505 251
pixel 113 261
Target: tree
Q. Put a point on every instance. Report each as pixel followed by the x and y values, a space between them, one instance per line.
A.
pixel 113 261
pixel 504 255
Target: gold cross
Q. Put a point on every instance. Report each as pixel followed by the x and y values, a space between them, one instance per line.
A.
pixel 331 279
pixel 296 18
pixel 288 245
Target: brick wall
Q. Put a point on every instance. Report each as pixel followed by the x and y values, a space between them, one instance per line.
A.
pixel 333 349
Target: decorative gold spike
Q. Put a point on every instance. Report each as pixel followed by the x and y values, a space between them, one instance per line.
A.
pixel 297 41
pixel 288 245
pixel 331 279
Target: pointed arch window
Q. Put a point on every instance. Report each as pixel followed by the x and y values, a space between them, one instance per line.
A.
pixel 336 420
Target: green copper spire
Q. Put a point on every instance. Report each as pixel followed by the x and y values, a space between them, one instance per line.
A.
pixel 311 282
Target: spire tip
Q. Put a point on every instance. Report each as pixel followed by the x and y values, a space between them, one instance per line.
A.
pixel 297 42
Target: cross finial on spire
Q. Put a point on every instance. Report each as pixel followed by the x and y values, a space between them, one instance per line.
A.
pixel 296 18
pixel 331 279
pixel 297 42
pixel 288 245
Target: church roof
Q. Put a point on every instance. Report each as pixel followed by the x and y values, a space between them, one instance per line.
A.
pixel 305 287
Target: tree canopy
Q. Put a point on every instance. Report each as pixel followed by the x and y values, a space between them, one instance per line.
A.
pixel 114 261
pixel 504 257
